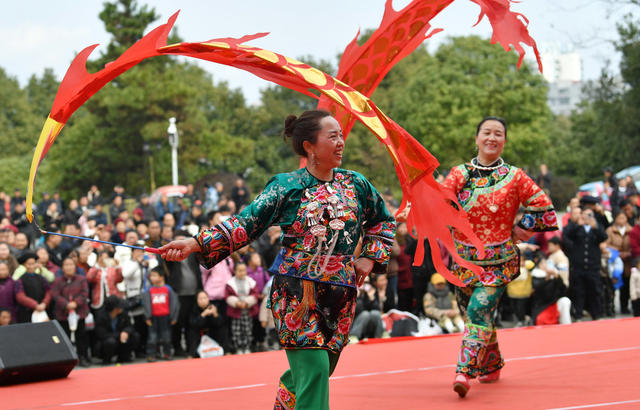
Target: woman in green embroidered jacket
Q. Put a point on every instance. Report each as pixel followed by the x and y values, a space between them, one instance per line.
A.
pixel 491 192
pixel 323 211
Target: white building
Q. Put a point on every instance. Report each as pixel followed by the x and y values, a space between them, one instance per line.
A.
pixel 563 71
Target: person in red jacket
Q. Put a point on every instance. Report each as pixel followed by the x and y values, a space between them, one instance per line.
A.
pixel 161 308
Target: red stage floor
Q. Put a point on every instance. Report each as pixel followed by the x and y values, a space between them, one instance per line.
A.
pixel 584 365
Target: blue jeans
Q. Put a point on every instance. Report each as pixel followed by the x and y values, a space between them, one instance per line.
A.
pixel 159 333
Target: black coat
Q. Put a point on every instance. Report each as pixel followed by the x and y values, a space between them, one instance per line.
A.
pixel 103 327
pixel 583 248
pixel 174 273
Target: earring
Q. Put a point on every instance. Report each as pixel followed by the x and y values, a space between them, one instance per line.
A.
pixel 477 149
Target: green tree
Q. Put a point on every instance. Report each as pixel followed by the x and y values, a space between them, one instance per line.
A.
pixel 605 130
pixel 41 92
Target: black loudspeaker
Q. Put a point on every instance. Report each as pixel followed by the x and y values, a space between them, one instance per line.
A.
pixel 35 351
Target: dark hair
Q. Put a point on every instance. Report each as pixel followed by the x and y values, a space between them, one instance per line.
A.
pixel 240 262
pixel 492 118
pixel 303 128
pixel 159 271
pixel 555 240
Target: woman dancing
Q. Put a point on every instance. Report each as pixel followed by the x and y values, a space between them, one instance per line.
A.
pixel 323 210
pixel 491 192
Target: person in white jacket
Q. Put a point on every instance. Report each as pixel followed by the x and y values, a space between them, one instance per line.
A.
pixel 135 280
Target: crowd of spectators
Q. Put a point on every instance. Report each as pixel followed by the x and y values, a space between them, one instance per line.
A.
pixel 121 303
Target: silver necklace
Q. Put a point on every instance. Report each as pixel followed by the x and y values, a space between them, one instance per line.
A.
pixel 474 162
pixel 476 165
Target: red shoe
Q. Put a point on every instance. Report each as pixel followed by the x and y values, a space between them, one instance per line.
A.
pixel 490 378
pixel 461 384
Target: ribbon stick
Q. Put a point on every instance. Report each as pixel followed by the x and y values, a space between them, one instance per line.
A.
pixel 150 250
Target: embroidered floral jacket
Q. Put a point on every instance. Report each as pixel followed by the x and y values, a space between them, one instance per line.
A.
pixel 492 202
pixel 321 225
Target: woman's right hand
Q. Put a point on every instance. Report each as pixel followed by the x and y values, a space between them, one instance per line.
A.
pixel 179 250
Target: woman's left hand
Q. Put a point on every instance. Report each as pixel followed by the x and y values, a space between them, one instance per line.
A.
pixel 363 269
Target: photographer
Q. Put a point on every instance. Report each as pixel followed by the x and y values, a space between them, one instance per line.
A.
pixel 582 238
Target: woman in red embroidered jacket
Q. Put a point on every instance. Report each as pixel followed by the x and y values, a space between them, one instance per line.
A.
pixel 491 192
pixel 323 211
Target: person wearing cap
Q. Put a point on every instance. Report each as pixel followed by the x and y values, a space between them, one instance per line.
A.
pixel 440 304
pixel 491 192
pixel 33 292
pixel 114 333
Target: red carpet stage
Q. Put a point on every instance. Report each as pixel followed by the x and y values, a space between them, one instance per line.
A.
pixel 584 365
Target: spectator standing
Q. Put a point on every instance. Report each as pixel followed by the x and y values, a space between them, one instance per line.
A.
pixel 543 180
pixel 618 239
pixel 149 212
pixel 164 206
pixel 32 291
pixel 582 237
pixel 98 215
pixel 161 308
pixel 103 278
pixel 214 282
pixel 242 300
pixel 134 283
pixel 70 293
pixel 240 193
pixel 405 280
pixel 116 207
pixel 7 291
pixel 261 277
pixel 184 278
pixel 94 196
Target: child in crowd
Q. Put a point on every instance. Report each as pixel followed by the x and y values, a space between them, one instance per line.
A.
pixel 161 308
pixel 440 304
pixel 204 320
pixel 5 316
pixel 242 300
pixel 634 287
pixel 267 322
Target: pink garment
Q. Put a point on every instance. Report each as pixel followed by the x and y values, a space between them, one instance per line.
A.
pixel 215 280
pixel 104 285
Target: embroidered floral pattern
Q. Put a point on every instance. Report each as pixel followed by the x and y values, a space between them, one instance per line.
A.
pixel 327 326
pixel 340 211
pixel 509 188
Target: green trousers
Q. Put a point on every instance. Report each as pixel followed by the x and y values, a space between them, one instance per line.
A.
pixel 305 385
pixel 479 353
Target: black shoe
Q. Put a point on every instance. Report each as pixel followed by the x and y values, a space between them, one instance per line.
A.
pixel 84 362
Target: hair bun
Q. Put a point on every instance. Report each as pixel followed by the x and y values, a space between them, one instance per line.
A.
pixel 289 124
